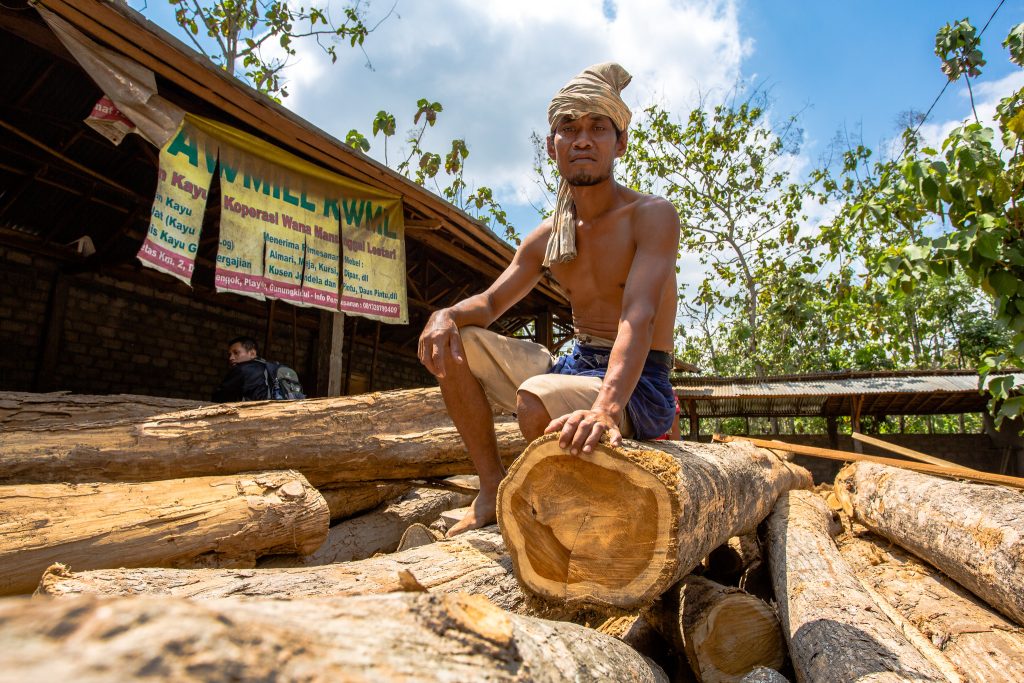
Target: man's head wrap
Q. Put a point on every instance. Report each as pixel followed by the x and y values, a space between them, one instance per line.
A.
pixel 595 91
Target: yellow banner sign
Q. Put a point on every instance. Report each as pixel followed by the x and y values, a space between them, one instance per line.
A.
pixel 286 226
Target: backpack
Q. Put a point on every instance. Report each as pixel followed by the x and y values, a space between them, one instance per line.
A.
pixel 282 382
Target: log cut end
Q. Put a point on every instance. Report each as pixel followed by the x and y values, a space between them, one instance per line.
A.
pixel 740 632
pixel 588 528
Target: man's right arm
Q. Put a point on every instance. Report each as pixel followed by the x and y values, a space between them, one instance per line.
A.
pixel 440 343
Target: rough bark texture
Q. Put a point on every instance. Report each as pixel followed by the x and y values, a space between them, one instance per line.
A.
pixel 396 637
pixel 725 632
pixel 972 532
pixel 834 628
pixel 981 644
pixel 350 500
pixel 375 532
pixel 389 435
pixel 475 562
pixel 164 523
pixel 619 526
pixel 19 410
pixel 764 675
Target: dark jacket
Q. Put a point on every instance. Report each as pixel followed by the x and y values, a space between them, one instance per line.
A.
pixel 246 381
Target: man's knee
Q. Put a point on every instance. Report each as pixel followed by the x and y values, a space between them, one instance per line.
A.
pixel 533 416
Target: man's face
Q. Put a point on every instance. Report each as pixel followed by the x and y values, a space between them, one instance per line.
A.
pixel 239 354
pixel 585 149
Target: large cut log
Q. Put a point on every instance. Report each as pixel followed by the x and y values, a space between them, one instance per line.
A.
pixel 349 500
pixel 375 532
pixel 474 562
pixel 980 643
pixel 724 631
pixel 389 435
pixel 396 637
pixel 176 522
pixel 972 532
pixel 618 526
pixel 20 410
pixel 834 628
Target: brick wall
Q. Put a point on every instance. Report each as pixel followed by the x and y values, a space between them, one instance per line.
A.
pixel 123 337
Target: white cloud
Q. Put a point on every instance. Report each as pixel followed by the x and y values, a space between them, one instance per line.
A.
pixel 494 67
pixel 987 95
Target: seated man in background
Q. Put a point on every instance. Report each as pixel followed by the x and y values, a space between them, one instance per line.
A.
pixel 247 378
pixel 614 252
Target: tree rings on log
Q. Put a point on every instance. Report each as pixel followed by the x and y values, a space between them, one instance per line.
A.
pixel 618 526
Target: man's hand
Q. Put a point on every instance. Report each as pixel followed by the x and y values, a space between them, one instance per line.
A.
pixel 581 430
pixel 440 343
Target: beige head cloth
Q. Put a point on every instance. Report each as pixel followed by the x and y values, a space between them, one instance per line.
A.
pixel 595 91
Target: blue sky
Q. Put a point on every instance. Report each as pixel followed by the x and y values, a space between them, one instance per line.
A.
pixel 494 66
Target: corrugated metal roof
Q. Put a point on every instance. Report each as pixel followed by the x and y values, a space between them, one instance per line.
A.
pixel 891 393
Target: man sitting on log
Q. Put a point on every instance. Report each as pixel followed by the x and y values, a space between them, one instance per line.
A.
pixel 613 250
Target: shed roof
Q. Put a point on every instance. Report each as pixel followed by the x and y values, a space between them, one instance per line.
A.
pixel 61 180
pixel 883 393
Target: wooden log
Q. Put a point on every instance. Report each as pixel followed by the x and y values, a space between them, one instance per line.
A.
pixel 349 500
pixel 389 435
pixel 957 472
pixel 834 628
pixel 735 561
pixel 22 410
pixel 407 637
pixel 475 562
pixel 618 526
pixel 973 533
pixel 162 523
pixel 375 532
pixel 981 644
pixel 416 535
pixel 724 631
pixel 763 674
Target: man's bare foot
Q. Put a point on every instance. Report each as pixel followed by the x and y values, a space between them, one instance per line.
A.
pixel 481 513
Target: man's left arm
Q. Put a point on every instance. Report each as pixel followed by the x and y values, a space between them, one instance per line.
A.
pixel 653 269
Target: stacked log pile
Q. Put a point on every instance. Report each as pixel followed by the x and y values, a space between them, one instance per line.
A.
pixel 303 540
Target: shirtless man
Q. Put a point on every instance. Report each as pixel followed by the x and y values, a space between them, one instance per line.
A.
pixel 613 250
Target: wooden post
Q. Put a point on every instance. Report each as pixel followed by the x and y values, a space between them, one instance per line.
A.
pixel 351 355
pixel 856 404
pixel 295 337
pixel 832 427
pixel 53 334
pixel 691 408
pixel 330 338
pixel 373 357
pixel 543 328
pixel 269 334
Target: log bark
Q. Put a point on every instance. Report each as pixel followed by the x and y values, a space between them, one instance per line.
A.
pixel 724 631
pixel 981 644
pixel 618 526
pixel 166 523
pixel 396 637
pixel 972 532
pixel 351 499
pixel 21 410
pixel 475 562
pixel 389 435
pixel 375 532
pixel 834 628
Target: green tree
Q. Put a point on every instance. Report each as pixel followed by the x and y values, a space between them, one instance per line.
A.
pixel 236 34
pixel 740 210
pixel 967 195
pixel 424 166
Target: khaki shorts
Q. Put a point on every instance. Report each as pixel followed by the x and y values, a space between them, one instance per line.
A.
pixel 505 366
